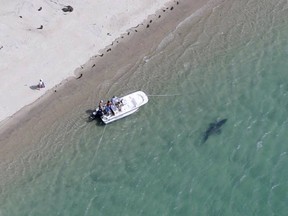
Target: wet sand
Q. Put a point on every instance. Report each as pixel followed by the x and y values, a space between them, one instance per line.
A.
pixel 94 81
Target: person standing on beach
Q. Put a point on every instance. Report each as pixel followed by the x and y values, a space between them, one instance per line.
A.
pixel 41 84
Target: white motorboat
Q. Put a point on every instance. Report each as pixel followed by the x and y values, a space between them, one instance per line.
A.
pixel 122 107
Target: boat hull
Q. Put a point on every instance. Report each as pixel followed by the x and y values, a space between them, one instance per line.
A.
pixel 129 105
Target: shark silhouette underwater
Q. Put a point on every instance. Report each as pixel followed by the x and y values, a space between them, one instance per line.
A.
pixel 214 128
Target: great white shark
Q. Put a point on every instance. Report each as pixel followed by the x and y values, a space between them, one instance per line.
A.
pixel 214 128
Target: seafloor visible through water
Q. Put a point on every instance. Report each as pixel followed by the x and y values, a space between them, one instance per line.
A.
pixel 229 62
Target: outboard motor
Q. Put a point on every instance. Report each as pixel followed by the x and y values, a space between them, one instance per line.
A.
pixel 95 114
pixel 92 116
pixel 98 113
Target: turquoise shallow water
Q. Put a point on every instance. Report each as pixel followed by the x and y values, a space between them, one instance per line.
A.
pixel 227 62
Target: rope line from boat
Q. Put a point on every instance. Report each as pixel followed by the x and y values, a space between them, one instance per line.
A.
pixel 164 95
pixel 95 155
pixel 99 143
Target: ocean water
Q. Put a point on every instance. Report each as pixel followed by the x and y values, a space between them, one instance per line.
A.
pixel 227 61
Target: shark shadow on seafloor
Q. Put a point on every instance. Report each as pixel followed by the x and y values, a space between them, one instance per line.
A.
pixel 214 128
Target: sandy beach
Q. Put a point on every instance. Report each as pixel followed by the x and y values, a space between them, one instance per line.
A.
pixel 59 68
pixel 51 54
pixel 93 80
pixel 49 40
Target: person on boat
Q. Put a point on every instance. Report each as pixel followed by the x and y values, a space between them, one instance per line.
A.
pixel 115 100
pixel 108 103
pixel 108 108
pixel 100 110
pixel 100 106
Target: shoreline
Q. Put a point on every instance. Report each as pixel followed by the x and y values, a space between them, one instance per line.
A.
pixel 64 42
pixel 36 118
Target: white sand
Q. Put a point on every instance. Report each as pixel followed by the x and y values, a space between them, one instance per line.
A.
pixel 66 41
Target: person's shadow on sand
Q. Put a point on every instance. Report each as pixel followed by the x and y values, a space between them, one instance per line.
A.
pixel 34 87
